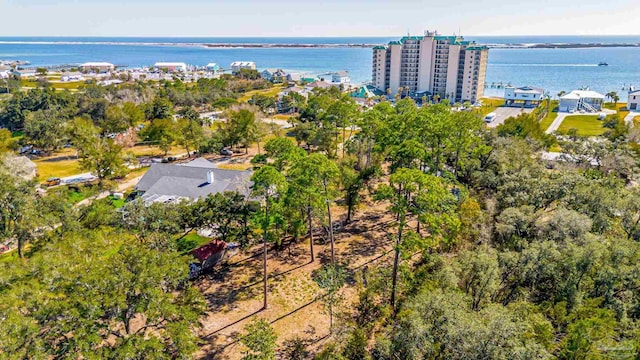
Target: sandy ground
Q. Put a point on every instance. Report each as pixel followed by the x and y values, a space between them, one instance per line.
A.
pixel 234 291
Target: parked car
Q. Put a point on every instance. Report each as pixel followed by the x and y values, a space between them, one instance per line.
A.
pixel 226 152
pixel 52 181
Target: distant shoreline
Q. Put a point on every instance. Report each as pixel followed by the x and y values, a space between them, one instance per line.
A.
pixel 230 45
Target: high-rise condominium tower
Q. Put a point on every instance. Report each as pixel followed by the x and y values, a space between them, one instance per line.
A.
pixel 444 66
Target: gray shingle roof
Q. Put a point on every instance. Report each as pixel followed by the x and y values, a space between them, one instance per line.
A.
pixel 190 181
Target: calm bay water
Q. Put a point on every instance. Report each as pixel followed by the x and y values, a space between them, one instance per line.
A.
pixel 552 69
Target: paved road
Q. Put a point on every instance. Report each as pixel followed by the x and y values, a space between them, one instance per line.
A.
pixel 629 118
pixel 503 113
pixel 556 123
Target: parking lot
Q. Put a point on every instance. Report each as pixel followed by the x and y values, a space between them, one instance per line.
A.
pixel 503 113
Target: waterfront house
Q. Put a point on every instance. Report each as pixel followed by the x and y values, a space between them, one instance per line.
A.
pixel 24 73
pixel 236 66
pixel 341 77
pixel 191 181
pixel 97 67
pixel 581 100
pixel 4 74
pixel 213 67
pixel 273 75
pixel 319 84
pixel 633 103
pixel 171 66
pixel 293 77
pixel 526 96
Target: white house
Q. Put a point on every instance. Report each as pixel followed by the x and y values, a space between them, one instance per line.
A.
pixel 634 100
pixel 71 77
pixel 237 65
pixel 581 100
pixel 99 67
pixel 341 77
pixel 526 96
pixel 4 74
pixel 171 66
pixel 24 73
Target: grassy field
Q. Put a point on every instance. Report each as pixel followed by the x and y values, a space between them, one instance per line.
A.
pixel 191 241
pixel 146 150
pixel 617 107
pixel 547 120
pixel 8 256
pixel 72 85
pixel 587 125
pixel 239 166
pixel 64 163
pixel 60 164
pixel 489 105
pixel 282 116
pixel 267 92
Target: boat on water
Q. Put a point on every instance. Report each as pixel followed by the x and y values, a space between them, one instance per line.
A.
pixel 603 63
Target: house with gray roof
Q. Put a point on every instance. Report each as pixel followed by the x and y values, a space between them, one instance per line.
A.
pixel 191 181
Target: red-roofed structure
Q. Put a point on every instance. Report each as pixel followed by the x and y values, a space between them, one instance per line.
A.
pixel 210 254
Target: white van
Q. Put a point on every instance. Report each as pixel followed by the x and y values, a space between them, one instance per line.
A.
pixel 490 117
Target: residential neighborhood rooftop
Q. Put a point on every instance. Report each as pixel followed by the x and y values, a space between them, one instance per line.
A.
pixel 198 179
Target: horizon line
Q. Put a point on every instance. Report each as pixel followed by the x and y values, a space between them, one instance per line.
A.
pixel 287 36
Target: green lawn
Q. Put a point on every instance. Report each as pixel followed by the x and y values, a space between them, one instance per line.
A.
pixel 547 120
pixel 117 203
pixel 72 85
pixel 587 125
pixel 191 241
pixel 8 256
pixel 57 168
pixel 489 105
pixel 267 92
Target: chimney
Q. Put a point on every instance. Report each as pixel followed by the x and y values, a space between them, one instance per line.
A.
pixel 209 177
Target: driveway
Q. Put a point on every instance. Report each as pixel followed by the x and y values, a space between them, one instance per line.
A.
pixel 503 113
pixel 629 118
pixel 556 123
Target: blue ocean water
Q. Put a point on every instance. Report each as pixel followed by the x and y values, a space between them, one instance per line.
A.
pixel 552 69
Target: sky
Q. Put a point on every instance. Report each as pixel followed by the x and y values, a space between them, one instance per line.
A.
pixel 275 18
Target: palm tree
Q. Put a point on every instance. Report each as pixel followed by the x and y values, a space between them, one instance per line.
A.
pixel 561 93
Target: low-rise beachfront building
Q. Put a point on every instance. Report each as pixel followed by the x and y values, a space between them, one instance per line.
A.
pixel 581 100
pixel 213 67
pixel 293 77
pixel 24 73
pixel 236 66
pixel 97 67
pixel 341 77
pixel 526 96
pixel 273 75
pixel 171 66
pixel 633 103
